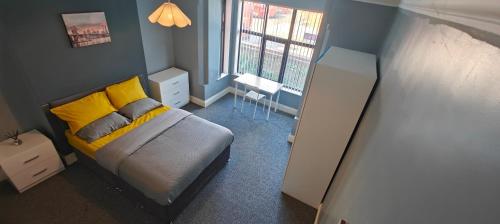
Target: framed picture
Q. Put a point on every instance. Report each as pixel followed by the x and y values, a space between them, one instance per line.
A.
pixel 85 29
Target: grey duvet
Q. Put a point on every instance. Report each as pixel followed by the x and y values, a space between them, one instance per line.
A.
pixel 164 156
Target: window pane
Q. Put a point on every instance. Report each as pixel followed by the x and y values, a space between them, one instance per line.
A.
pixel 306 27
pixel 249 53
pixel 253 16
pixel 279 20
pixel 297 66
pixel 272 60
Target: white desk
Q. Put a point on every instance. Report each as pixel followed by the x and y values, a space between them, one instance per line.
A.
pixel 259 84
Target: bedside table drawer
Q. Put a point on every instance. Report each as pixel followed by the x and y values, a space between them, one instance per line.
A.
pixel 36 172
pixel 175 91
pixel 176 81
pixel 179 100
pixel 29 158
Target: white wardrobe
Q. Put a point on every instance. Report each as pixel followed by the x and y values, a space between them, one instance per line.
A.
pixel 338 91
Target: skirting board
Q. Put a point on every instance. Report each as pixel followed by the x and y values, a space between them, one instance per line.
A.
pixel 211 100
pixel 214 98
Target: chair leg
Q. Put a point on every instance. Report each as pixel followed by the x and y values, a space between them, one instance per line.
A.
pixel 256 102
pixel 244 95
pixel 264 104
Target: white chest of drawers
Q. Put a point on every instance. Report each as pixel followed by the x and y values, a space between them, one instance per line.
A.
pixel 30 163
pixel 170 87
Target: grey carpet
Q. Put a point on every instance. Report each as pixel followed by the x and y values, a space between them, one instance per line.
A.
pixel 247 190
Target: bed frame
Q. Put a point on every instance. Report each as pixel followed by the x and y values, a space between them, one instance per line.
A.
pixel 165 212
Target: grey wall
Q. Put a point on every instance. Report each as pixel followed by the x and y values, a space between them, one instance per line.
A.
pixel 353 25
pixel 197 47
pixel 358 25
pixel 7 120
pixel 42 66
pixel 157 40
pixel 427 149
pixel 213 32
pixel 186 47
pixel 7 123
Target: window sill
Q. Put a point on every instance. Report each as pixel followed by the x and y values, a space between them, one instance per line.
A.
pixel 222 76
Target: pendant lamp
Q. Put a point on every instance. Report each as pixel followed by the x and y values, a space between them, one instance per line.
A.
pixel 168 14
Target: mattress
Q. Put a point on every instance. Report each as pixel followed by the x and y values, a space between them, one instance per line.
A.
pixel 162 157
pixel 90 149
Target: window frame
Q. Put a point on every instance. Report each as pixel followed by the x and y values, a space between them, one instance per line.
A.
pixel 222 37
pixel 265 37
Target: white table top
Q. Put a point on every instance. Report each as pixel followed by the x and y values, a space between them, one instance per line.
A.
pixel 166 74
pixel 260 83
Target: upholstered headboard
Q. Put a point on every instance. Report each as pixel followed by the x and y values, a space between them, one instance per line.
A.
pixel 59 126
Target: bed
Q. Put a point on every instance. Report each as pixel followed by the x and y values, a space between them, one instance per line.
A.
pixel 161 160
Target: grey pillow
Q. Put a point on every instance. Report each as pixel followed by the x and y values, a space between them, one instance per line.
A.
pixel 102 126
pixel 138 108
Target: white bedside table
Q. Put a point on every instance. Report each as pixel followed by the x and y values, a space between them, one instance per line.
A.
pixel 30 163
pixel 170 87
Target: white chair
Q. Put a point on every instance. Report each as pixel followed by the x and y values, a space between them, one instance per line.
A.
pixel 256 96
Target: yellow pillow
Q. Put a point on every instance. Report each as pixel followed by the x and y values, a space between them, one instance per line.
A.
pixel 125 92
pixel 82 112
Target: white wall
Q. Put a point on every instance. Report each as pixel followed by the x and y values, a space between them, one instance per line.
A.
pixel 427 149
pixel 394 3
pixel 482 14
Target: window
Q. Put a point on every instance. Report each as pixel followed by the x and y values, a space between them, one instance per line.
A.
pixel 277 43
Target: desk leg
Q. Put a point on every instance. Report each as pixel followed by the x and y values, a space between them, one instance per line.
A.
pixel 277 101
pixel 244 95
pixel 270 104
pixel 235 93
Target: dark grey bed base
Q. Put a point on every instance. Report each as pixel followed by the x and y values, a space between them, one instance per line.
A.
pixel 168 212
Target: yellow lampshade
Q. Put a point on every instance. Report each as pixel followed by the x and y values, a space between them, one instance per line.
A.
pixel 168 14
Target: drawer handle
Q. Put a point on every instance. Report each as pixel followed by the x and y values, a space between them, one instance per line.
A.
pixel 177 102
pixel 39 172
pixel 175 83
pixel 31 160
pixel 177 93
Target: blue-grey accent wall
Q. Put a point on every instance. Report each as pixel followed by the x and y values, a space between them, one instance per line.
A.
pixel 197 47
pixel 157 40
pixel 41 64
pixel 359 26
pixel 213 31
pixel 353 25
pixel 7 120
pixel 187 46
pixel 427 149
